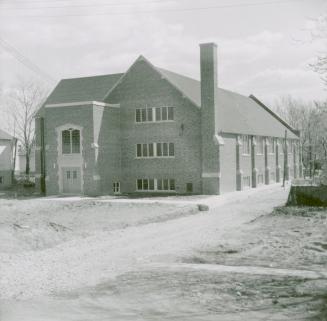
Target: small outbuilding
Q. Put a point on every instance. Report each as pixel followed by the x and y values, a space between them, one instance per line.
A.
pixel 7 150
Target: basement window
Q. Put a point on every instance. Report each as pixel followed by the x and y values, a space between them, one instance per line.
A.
pixel 116 187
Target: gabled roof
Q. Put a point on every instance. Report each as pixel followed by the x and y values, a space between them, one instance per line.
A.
pixel 238 113
pixel 82 89
pixel 5 136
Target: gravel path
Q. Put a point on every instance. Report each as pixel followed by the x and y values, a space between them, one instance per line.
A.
pixel 95 259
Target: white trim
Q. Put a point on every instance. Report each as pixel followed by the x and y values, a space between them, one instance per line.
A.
pixel 211 175
pixel 218 140
pixel 69 160
pixel 83 103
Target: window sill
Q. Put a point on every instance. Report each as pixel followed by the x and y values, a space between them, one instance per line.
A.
pixel 154 122
pixel 156 157
pixel 156 191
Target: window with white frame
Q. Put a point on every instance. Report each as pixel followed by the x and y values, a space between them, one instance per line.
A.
pixel 246 144
pixel 260 145
pixel 154 114
pixel 155 150
pixel 154 184
pixel 71 141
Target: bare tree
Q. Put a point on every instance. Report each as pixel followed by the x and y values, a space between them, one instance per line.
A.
pixel 319 31
pixel 311 119
pixel 24 101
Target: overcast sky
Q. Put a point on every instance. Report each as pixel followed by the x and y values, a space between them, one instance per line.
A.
pixel 264 47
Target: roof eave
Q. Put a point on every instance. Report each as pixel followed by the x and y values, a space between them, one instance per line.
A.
pixel 288 126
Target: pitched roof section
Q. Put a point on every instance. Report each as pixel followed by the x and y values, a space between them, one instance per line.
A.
pixel 5 136
pixel 240 114
pixel 82 89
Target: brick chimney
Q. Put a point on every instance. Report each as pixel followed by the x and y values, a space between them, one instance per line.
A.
pixel 209 119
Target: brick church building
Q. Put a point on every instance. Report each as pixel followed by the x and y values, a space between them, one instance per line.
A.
pixel 153 130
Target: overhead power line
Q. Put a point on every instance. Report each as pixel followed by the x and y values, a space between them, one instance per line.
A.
pixel 25 61
pixel 121 4
pixel 238 5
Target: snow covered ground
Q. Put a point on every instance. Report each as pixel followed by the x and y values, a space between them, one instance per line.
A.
pixel 160 258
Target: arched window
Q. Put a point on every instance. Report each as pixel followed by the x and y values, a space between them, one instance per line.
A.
pixel 71 141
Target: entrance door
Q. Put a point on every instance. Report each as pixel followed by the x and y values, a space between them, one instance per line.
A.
pixel 71 179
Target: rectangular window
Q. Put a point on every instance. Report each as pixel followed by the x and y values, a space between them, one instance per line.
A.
pixel 159 184
pixel 171 149
pixel 164 149
pixel 260 145
pixel 70 140
pixel 139 150
pixel 145 184
pixel 116 187
pixel 139 184
pixel 150 118
pixel 143 115
pixel 1 179
pixel 164 113
pixel 75 142
pixel 154 114
pixel 74 174
pixel 172 184
pixel 272 145
pixel 138 115
pixel 165 184
pixel 246 144
pixel 66 142
pixel 151 152
pixel 189 188
pixel 68 174
pixel 145 150
pixel 159 150
pixel 170 113
pixel 151 184
pixel 158 114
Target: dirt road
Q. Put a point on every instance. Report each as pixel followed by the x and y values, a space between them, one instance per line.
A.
pixel 135 273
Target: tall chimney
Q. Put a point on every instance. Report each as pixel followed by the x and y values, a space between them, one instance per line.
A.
pixel 209 85
pixel 209 118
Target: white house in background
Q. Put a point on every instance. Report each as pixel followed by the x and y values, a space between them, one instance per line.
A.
pixel 7 146
pixel 21 161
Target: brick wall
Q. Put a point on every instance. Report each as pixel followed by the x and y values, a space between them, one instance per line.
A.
pixel 144 87
pixel 75 115
pixel 228 163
